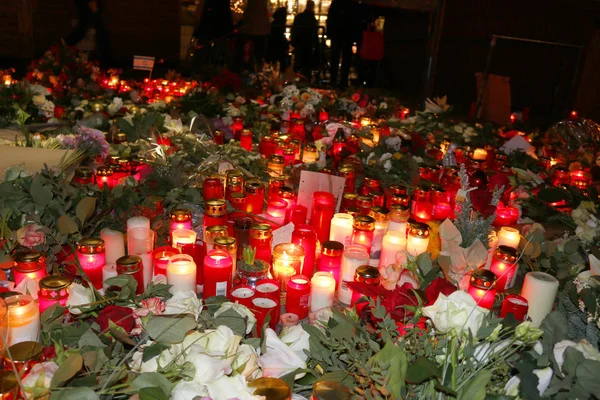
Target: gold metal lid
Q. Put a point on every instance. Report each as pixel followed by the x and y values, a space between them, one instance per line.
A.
pixel 483 279
pixel 129 265
pixel 365 272
pixel 271 388
pixel 286 193
pixel 347 169
pixel 234 176
pixel 25 351
pixel 276 159
pixel 224 242
pixel 84 172
pixel 332 248
pixel 261 231
pixel 236 197
pixel 289 151
pixel 104 170
pixel 364 223
pixel 218 133
pixel 55 282
pixel 28 256
pixel 350 196
pixel 181 215
pixel 215 208
pixel 371 182
pixel 90 246
pixel 506 254
pixel 8 383
pixel 364 199
pixel 216 229
pixel 379 213
pixel 418 229
pixel 310 148
pixel 398 207
pixel 329 390
pixel 246 132
pixel 254 186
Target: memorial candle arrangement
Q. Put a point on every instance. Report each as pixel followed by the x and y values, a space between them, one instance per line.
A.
pixel 323 208
pixel 504 266
pixel 322 291
pixel 354 256
pixel 218 267
pixel 181 273
pixel 28 264
pixel 54 289
pixel 482 287
pixel 539 289
pixel 140 242
pixel 288 260
pixel 23 319
pixel 180 218
pixel 132 266
pixel 341 228
pixel 298 296
pixel 305 237
pixel 418 239
pixel 90 253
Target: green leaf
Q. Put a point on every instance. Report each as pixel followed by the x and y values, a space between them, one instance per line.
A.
pixel 555 329
pixel 41 194
pixel 422 369
pixel 572 359
pixel 554 195
pixel 90 339
pixel 153 393
pixel 74 393
pixel 392 360
pixel 153 351
pixel 85 208
pixel 67 370
pixel 71 333
pixel 169 329
pixel 66 225
pixel 86 381
pixel 233 320
pixel 587 376
pixel 475 388
pixel 150 380
pixel 424 262
pixel 339 376
pixel 571 246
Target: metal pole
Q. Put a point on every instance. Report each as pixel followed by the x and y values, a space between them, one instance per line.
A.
pixel 486 73
pixel 434 48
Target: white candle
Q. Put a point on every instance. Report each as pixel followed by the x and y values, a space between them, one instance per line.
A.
pixel 354 256
pixel 181 273
pixel 378 234
pixel 182 237
pixel 23 319
pixel 322 291
pixel 138 222
pixel 341 228
pixel 140 242
pixel 509 237
pixel 416 245
pixel 114 245
pixel 397 226
pixel 540 291
pixel 393 242
pixel 108 271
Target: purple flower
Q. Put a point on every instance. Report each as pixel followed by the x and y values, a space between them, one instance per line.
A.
pixel 92 140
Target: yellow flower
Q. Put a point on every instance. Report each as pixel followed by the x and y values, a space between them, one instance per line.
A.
pixel 397 155
pixel 435 242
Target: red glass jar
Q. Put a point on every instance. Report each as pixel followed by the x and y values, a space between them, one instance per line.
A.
pixel 238 201
pixel 241 233
pixel 421 207
pixel 132 265
pixel 246 139
pixel 305 236
pixel 104 176
pixel 53 289
pixel 263 307
pixel 275 165
pixel 298 214
pixel 275 183
pixel 255 196
pixel 84 176
pixel 161 257
pixel 340 143
pixel 261 239
pixel 235 183
pixel 268 288
pixel 180 218
pixel 237 127
pixel 378 199
pixel 289 196
pixel 482 287
pixel 504 266
pixel 441 204
pixel 323 208
pixel 266 146
pixel 364 203
pixel 298 296
pixel 212 189
pixel 348 172
pixel 295 145
pixel 331 259
pixel 516 305
pixel 349 200
pixel 289 156
pixel 92 258
pixel 369 186
pixel 215 213
pixel 363 228
pixel 30 264
pixel 219 137
pixel 365 274
pixel 197 251
pixel 218 267
pixel 243 295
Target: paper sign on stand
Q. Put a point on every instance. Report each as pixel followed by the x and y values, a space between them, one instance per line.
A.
pixel 283 234
pixel 311 182
pixel 517 143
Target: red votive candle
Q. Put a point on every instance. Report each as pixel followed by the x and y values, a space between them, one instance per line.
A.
pixel 348 172
pixel 482 287
pixel 219 137
pixel 504 266
pixel 349 200
pixel 235 183
pixel 261 239
pixel 161 257
pixel 364 204
pixel 298 296
pixel 298 214
pixel 363 228
pixel 506 216
pixel 197 251
pixel 238 201
pixel 365 274
pixel 84 176
pixel 246 139
pixel 90 252
pixel 218 267
pixel 255 196
pixel 237 127
pixel 132 265
pixel 323 208
pixel 276 210
pixel 289 196
pixel 215 214
pixel 180 218
pixel 29 264
pixel 331 259
pixel 305 236
pixel 266 146
pixel 268 288
pixel 263 307
pixel 53 289
pixel 105 176
pixel 516 305
pixel 212 189
pixel 243 294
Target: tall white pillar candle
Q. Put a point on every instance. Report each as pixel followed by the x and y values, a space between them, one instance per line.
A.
pixel 140 242
pixel 322 291
pixel 392 243
pixel 181 273
pixel 539 288
pixel 341 228
pixel 354 256
pixel 138 222
pixel 114 245
pixel 108 271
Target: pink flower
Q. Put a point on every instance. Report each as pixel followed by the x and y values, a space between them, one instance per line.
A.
pixel 154 305
pixel 31 235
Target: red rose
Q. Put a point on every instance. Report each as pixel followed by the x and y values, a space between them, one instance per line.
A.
pixel 362 103
pixel 439 285
pixel 121 316
pixel 59 111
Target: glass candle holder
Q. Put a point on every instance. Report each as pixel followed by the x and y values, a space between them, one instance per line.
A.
pixel 180 218
pixel 28 264
pixel 275 183
pixel 238 201
pixel 237 127
pixel 114 245
pixel 269 288
pixel 219 137
pixel 322 291
pixel 365 203
pixel 212 189
pixel 349 200
pixel 515 305
pixel 161 257
pixel 246 139
pixel 271 388
pixel 255 196
pixel 104 177
pixel 298 214
pixel 212 233
pixel 263 307
pixel 289 155
pixel 506 216
pixel 298 296
pixel 398 218
pixel 243 295
pixel 331 259
pixel 510 237
pixel 363 228
pixel 441 204
pixel 323 208
pixel 349 173
pixel 266 146
pixel 276 211
pixel 197 251
pixel 215 213
pixel 289 196
pixel 288 260
pixel 561 176
pixel 392 243
pixel 241 233
pixel 581 179
pixel 137 222
pixel 340 143
pixel 251 274
pixel 354 256
pixel 275 165
pixel 309 154
pixel 132 265
pixel 23 319
pixel 217 274
pixel 305 236
pixel 181 273
pixel 482 287
pixel 381 217
pixel 504 266
pixel 479 154
pixel 365 274
pixel 228 244
pixel 84 176
pixel 181 237
pixel 341 228
pixel 261 239
pixel 369 186
pixel 140 242
pixel 53 290
pixel 108 271
pixel 235 183
pixel 90 253
pixel 418 238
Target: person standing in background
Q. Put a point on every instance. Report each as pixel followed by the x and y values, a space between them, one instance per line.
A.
pixel 279 47
pixel 305 40
pixel 213 33
pixel 256 27
pixel 343 29
pixel 89 33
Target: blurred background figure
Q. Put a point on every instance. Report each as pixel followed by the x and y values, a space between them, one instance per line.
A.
pixel 279 46
pixel 213 33
pixel 343 28
pixel 90 34
pixel 256 30
pixel 305 40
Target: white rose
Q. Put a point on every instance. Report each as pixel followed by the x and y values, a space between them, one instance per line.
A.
pixel 37 382
pixel 279 360
pixel 207 368
pixel 387 166
pixel 161 361
pixel 29 287
pixel 243 311
pixel 589 352
pixel 512 386
pixel 456 313
pixel 183 302
pixel 246 362
pixel 79 295
pixel 219 342
pixel 230 387
pixel 188 390
pixel 485 350
pixel 544 378
pixel 297 339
